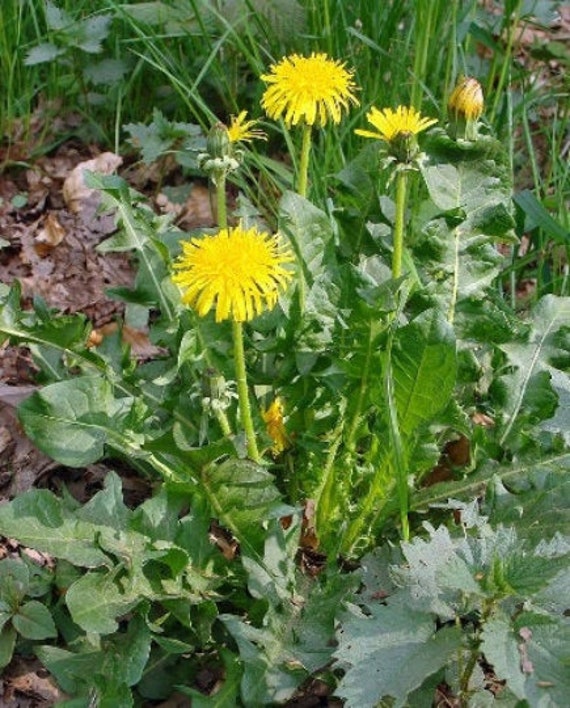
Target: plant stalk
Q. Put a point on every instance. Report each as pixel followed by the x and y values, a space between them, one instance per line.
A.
pixel 221 207
pixel 302 178
pixel 243 395
pixel 401 190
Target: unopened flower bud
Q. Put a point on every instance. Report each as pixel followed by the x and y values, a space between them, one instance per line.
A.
pixel 218 144
pixel 465 107
pixel 466 100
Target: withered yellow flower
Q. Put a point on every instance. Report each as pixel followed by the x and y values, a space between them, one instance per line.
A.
pixel 238 272
pixel 466 100
pixel 391 124
pixel 273 418
pixel 310 90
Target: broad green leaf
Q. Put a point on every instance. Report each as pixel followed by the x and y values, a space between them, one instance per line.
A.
pixel 538 504
pixel 531 654
pixel 424 369
pixel 559 423
pixel 546 510
pixel 104 673
pixel 310 232
pixel 548 651
pixel 7 643
pixel 473 179
pixel 106 72
pixel 390 653
pixel 34 621
pixel 14 581
pixel 72 671
pixel 457 264
pixel 40 520
pixel 243 496
pixel 74 421
pixel 107 508
pixel 533 360
pixel 127 655
pixel 96 600
pixel 470 209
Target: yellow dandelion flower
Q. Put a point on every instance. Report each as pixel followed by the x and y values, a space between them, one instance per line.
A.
pixel 237 271
pixel 466 99
pixel 391 124
pixel 273 418
pixel 242 130
pixel 308 90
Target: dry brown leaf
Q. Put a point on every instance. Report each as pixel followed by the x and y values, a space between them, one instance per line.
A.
pixel 49 236
pixel 74 190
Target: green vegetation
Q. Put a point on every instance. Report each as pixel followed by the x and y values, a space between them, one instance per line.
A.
pixel 401 525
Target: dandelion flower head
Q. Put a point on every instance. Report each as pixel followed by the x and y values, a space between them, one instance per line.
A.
pixel 238 272
pixel 242 130
pixel 310 90
pixel 391 124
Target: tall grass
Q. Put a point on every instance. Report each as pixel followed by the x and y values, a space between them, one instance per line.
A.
pixel 200 61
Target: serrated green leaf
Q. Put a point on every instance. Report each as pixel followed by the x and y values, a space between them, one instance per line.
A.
pixel 294 639
pixel 538 504
pixel 390 653
pixel 34 621
pixel 243 497
pixel 534 358
pixel 89 34
pixel 42 53
pixel 106 72
pixel 73 421
pixel 435 574
pixel 424 368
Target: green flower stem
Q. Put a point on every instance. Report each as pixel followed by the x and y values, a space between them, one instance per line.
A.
pixel 401 190
pixel 302 178
pixel 221 207
pixel 243 395
pixel 223 422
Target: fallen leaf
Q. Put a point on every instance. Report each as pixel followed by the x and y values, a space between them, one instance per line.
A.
pixel 74 190
pixel 49 236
